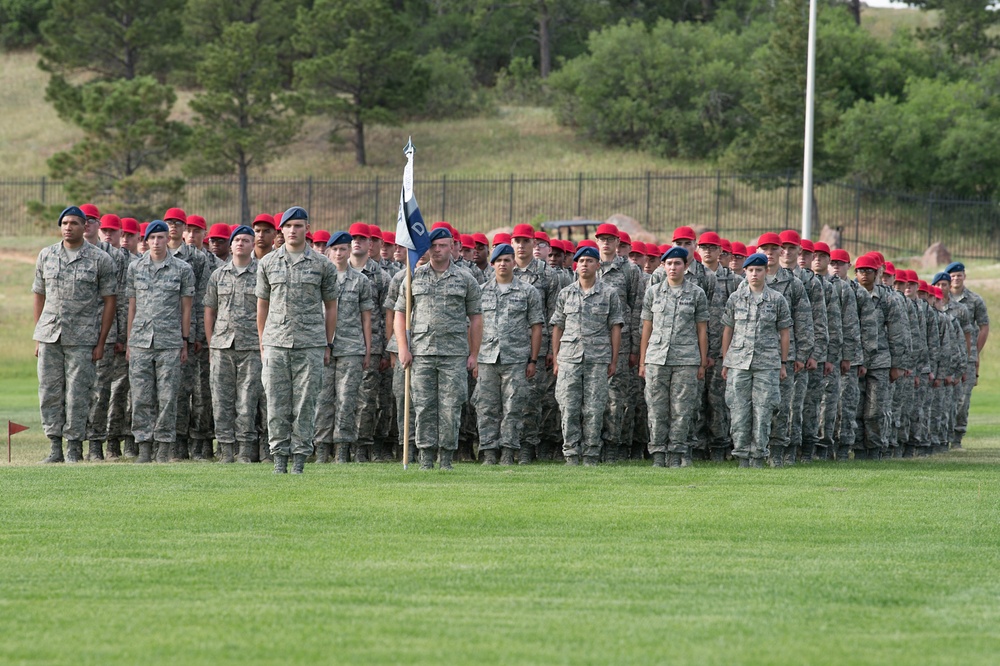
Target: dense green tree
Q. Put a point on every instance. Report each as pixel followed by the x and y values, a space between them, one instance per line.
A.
pixel 128 140
pixel 357 65
pixel 965 28
pixel 244 117
pixel 20 22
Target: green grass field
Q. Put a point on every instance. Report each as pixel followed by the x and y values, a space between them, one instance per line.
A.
pixel 869 563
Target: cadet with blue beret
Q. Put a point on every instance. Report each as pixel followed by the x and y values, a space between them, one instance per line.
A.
pixel 980 331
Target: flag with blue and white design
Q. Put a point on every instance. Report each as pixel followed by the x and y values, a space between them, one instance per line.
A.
pixel 411 232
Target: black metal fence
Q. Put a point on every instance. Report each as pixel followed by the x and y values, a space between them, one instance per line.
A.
pixel 738 206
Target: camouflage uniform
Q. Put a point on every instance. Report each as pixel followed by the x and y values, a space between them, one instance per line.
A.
pixel 920 410
pixel 336 410
pixel 398 372
pixel 67 331
pixel 672 359
pixel 440 348
pixel 876 397
pixel 977 312
pixel 850 392
pixel 120 405
pixel 753 363
pixel 235 355
pixel 97 421
pixel 548 284
pixel 199 265
pixel 368 398
pixel 586 319
pixel 800 349
pixel 958 322
pixel 501 397
pixel 809 383
pixel 716 424
pixel 155 347
pixel 963 316
pixel 294 342
pixel 202 429
pixel 845 327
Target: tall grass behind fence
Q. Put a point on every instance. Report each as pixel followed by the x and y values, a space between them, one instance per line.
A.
pixel 739 206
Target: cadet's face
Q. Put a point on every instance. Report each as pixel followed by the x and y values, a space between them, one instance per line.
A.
pixel 608 245
pixel 177 229
pixel 958 280
pixel 195 236
pixel 279 238
pixel 482 253
pixel 360 246
pixel 755 276
pixel 638 258
pixel 440 250
pixel 771 252
pixel 504 266
pixel 340 253
pixel 557 258
pixel 686 244
pixel 789 255
pixel 112 236
pixel 820 263
pixel 130 241
pixel 945 286
pixel 541 251
pixel 652 263
pixel 157 244
pixel 468 253
pixel 219 247
pixel 294 232
pixel 72 228
pixel 710 253
pixel 242 246
pixel 399 254
pixel 375 249
pixel 623 249
pixel 263 235
pixel 912 290
pixel 805 259
pixel 586 267
pixel 387 251
pixel 91 229
pixel 523 247
pixel 675 269
pixel 866 277
pixel 840 269
pixel 887 279
pixel 736 263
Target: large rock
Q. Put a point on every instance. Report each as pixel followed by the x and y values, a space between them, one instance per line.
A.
pixel 936 255
pixel 831 237
pixel 632 227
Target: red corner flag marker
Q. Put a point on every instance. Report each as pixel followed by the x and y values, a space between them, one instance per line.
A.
pixel 13 429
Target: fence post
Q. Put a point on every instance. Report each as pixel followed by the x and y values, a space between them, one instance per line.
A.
pixel 43 189
pixel 510 219
pixel 579 194
pixel 376 200
pixel 930 218
pixel 649 196
pixel 718 195
pixel 857 213
pixel 788 193
pixel 309 195
pixel 444 195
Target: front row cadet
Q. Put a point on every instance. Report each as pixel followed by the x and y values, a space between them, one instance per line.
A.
pixel 755 342
pixel 350 355
pixel 234 347
pixel 73 281
pixel 673 355
pixel 446 328
pixel 296 322
pixel 508 357
pixel 160 288
pixel 586 336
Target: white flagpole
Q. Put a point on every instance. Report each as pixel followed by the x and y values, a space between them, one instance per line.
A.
pixel 807 162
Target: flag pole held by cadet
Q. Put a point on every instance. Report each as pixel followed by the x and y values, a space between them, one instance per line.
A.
pixel 412 234
pixel 13 429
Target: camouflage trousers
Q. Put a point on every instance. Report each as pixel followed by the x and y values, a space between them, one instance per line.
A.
pixel 97 420
pixel 236 390
pixel 385 422
pixel 531 435
pixel 551 428
pixel 632 411
pixel 398 392
pixel 155 376
pixel 189 375
pixel 752 397
pixel 781 423
pixel 120 408
pixel 873 411
pixel 811 409
pixel 500 398
pixel 438 386
pixel 798 404
pixel 640 421
pixel 962 414
pixel 66 378
pixel 292 381
pixel 899 423
pixel 919 434
pixel 847 415
pixel 698 433
pixel 366 410
pixel 202 421
pixel 263 448
pixel 670 393
pixel 337 407
pixel 717 418
pixel 828 407
pixel 582 392
pixel 619 391
pixel 936 416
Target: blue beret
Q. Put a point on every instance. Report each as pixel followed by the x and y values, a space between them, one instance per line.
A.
pixel 941 277
pixel 339 238
pixel 242 229
pixel 955 267
pixel 755 259
pixel 587 251
pixel 155 227
pixel 675 253
pixel 439 233
pixel 500 250
pixel 71 210
pixel 294 213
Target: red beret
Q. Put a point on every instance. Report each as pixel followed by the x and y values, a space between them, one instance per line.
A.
pixel 891 270
pixel 751 249
pixel 467 242
pixel 653 250
pixel 807 245
pixel 542 237
pixel 501 238
pixel 624 238
pixel 130 225
pixel 196 221
pixel 663 248
pixel 607 230
pixel 710 238
pixel 683 233
pixel 480 239
pixel 938 292
pixel 522 231
pixel 220 231
pixel 840 255
pixel 587 243
pixel 770 238
pixel 697 256
pixel 142 229
pixel 309 236
pixel 266 219
pixel 789 237
pixel 389 237
pixel 440 224
pixel 923 286
pixel 375 232
pixel 359 229
pixel 175 214
pixel 739 249
pixel 90 210
pixel 321 236
pixel 821 248
pixel 111 221
pixel 727 246
pixel 866 261
pixel 638 246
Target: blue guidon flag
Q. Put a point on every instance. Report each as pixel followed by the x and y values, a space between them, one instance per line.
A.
pixel 411 232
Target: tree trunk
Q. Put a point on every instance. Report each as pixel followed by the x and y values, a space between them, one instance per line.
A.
pixel 707 9
pixel 359 142
pixel 244 191
pixel 544 41
pixel 856 11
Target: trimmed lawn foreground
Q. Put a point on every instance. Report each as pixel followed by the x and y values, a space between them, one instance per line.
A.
pixel 193 563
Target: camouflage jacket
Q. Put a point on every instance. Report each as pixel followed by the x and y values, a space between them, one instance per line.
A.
pixel 354 296
pixel 232 294
pixel 977 312
pixel 546 281
pixel 296 292
pixel 380 286
pixel 158 291
pixel 442 304
pixel 675 315
pixel 801 343
pixel 625 277
pixel 74 291
pixel 508 316
pixel 757 321
pixel 586 320
pixel 817 303
pixel 198 262
pixel 726 283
